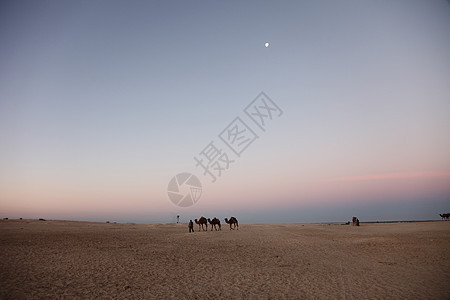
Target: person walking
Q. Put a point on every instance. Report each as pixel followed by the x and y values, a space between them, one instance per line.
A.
pixel 191 226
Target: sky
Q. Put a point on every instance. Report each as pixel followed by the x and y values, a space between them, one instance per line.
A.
pixel 102 103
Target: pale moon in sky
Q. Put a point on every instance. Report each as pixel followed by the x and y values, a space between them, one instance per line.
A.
pixel 266 44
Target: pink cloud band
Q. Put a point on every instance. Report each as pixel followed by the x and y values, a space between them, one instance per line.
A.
pixel 386 176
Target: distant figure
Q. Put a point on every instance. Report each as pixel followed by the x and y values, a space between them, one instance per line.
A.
pixel 357 222
pixel 354 221
pixel 232 221
pixel 191 226
pixel 178 219
pixel 445 216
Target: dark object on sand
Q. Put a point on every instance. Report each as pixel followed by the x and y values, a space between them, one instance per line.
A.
pixel 355 221
pixel 202 221
pixel 191 226
pixel 5 218
pixel 232 221
pixel 215 223
pixel 40 219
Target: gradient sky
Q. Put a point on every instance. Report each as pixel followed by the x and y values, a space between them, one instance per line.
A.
pixel 103 102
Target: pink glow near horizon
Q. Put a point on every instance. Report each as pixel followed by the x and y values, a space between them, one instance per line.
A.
pixel 368 189
pixel 405 186
pixel 386 176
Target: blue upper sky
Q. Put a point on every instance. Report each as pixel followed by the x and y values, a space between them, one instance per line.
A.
pixel 102 102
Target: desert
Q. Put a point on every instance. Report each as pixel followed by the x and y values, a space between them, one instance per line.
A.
pixel 67 259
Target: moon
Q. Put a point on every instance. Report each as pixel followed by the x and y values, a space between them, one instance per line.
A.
pixel 266 44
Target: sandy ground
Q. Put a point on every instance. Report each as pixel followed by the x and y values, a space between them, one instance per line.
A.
pixel 61 259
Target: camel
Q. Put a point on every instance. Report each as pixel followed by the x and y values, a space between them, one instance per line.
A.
pixel 445 216
pixel 232 221
pixel 355 221
pixel 217 222
pixel 202 222
pixel 214 223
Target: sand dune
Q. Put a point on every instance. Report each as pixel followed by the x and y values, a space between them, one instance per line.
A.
pixel 61 259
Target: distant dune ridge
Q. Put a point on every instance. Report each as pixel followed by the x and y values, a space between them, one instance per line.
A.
pixel 62 259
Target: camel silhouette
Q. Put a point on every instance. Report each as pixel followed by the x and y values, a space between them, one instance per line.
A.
pixel 215 223
pixel 445 216
pixel 232 221
pixel 202 221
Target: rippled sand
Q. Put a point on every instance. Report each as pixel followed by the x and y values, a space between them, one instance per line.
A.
pixel 61 259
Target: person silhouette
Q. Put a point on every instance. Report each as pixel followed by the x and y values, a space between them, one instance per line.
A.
pixel 191 226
